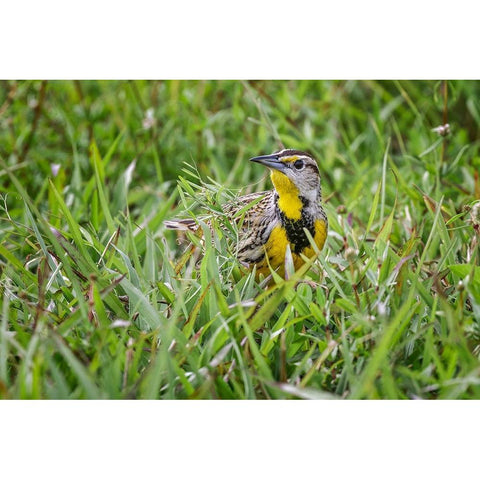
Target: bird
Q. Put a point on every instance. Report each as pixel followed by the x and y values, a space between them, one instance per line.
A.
pixel 270 221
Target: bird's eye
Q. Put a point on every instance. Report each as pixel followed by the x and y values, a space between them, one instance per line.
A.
pixel 299 164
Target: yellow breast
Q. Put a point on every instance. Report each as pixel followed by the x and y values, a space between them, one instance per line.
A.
pixel 276 247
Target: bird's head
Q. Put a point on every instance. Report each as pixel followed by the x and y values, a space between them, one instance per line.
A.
pixel 293 172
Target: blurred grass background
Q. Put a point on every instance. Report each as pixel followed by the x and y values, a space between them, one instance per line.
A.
pixel 98 301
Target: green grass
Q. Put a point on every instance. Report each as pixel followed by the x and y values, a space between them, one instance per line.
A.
pixel 98 300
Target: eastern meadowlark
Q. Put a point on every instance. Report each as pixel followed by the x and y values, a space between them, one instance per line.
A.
pixel 278 217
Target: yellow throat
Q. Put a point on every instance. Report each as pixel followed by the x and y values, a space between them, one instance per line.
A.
pixel 288 195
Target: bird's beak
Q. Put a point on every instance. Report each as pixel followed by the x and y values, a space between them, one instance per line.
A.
pixel 270 161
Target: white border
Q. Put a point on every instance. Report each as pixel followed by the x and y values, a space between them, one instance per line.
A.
pixel 239 439
pixel 215 39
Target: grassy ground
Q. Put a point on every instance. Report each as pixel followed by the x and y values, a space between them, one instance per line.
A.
pixel 99 301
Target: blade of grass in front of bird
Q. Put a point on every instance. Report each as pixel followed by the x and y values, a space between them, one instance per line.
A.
pixel 269 343
pixel 260 362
